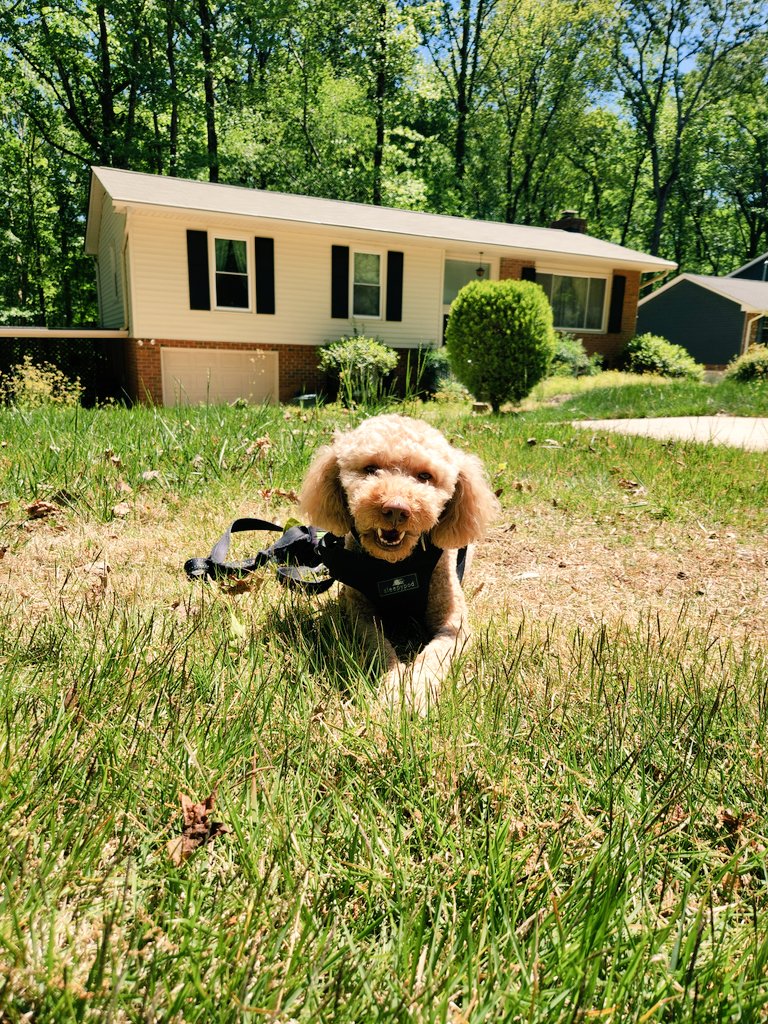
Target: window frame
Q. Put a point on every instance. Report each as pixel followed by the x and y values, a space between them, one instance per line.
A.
pixel 381 286
pixel 213 237
pixel 607 280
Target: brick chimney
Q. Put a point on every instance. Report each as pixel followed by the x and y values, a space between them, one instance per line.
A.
pixel 569 220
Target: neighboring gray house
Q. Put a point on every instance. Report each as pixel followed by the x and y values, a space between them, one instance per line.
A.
pixel 714 318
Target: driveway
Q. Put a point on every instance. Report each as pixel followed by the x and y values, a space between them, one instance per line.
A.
pixel 749 432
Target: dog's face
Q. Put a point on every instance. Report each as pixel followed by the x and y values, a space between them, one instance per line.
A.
pixel 395 479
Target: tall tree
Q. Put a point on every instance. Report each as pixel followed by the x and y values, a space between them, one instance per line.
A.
pixel 544 74
pixel 461 38
pixel 674 60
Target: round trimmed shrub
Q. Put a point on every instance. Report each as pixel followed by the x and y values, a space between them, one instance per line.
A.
pixel 650 353
pixel 753 365
pixel 571 359
pixel 500 339
pixel 358 368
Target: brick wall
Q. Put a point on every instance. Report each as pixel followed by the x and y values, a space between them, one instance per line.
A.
pixel 512 270
pixel 298 369
pixel 607 345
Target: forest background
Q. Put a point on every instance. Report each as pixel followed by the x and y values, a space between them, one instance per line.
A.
pixel 647 117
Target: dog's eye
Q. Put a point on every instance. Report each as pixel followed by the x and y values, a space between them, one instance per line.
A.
pixel 370 470
pixel 425 477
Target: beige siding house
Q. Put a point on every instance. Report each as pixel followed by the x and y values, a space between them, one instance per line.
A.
pixel 227 292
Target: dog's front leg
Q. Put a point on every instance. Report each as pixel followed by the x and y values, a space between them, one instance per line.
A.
pixel 369 631
pixel 419 683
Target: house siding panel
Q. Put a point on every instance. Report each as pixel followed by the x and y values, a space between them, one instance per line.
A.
pixel 302 290
pixel 709 326
pixel 111 277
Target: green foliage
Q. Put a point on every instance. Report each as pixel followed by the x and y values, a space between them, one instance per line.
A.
pixel 358 368
pixel 650 353
pixel 30 385
pixel 500 339
pixel 427 371
pixel 571 359
pixel 751 366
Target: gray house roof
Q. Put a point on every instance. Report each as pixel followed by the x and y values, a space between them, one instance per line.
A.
pixel 135 189
pixel 751 296
pixel 756 263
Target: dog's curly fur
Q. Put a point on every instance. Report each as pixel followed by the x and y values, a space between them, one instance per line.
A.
pixel 395 480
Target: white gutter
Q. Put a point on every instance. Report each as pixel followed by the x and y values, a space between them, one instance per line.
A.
pixel 67 332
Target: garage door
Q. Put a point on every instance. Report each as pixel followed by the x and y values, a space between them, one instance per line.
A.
pixel 213 376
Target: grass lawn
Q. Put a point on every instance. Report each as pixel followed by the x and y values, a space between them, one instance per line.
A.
pixel 577 832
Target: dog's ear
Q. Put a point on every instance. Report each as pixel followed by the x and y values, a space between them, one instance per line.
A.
pixel 321 498
pixel 470 509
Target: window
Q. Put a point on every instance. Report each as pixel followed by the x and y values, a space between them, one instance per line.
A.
pixel 578 303
pixel 231 273
pixel 366 285
pixel 457 273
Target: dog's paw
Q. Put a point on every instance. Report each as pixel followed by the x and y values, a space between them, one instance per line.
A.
pixel 391 688
pixel 415 688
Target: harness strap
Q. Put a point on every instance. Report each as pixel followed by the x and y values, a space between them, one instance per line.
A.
pixel 294 555
pixel 303 556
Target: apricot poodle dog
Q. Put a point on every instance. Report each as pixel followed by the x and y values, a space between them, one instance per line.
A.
pixel 407 504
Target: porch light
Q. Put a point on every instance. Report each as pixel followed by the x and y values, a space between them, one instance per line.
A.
pixel 481 269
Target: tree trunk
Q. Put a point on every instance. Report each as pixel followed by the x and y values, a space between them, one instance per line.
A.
pixel 206 49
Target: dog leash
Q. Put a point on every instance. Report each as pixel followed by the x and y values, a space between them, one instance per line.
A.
pixel 294 555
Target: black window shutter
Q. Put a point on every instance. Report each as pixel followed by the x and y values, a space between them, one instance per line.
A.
pixel 395 285
pixel 528 274
pixel 197 269
pixel 340 282
pixel 617 304
pixel 265 275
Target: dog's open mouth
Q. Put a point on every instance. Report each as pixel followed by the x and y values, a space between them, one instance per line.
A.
pixel 389 538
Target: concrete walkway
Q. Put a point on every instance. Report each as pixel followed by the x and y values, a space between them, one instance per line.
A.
pixel 749 432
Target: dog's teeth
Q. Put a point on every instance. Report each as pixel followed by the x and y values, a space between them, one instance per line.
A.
pixel 389 538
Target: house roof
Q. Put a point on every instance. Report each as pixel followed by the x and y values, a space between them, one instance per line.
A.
pixel 135 189
pixel 751 296
pixel 748 266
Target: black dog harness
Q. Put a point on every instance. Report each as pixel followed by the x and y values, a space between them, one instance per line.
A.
pixel 399 588
pixel 394 588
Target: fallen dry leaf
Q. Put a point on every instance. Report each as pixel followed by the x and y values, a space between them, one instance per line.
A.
pixel 199 828
pixel 276 492
pixel 121 510
pixel 40 509
pixel 98 568
pixel 150 474
pixel 632 486
pixel 260 447
pixel 732 821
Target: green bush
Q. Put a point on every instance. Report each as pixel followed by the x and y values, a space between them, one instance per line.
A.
pixel 571 359
pixel 500 339
pixel 753 365
pixel 650 353
pixel 30 385
pixel 428 370
pixel 358 368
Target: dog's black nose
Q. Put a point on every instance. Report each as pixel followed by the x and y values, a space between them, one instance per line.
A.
pixel 396 511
